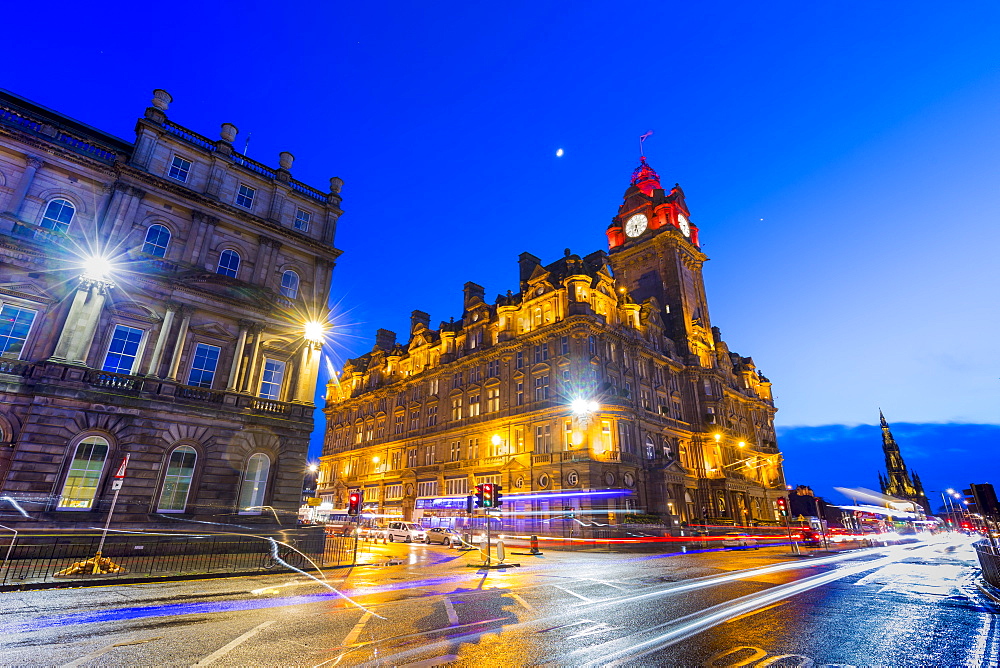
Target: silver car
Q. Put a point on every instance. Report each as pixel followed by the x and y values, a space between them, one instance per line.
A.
pixel 443 535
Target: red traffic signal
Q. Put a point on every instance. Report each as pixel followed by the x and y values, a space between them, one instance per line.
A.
pixel 354 503
pixel 487 494
pixel 782 505
pixel 479 496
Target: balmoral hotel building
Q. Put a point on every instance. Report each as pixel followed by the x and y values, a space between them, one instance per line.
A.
pixel 599 387
pixel 156 297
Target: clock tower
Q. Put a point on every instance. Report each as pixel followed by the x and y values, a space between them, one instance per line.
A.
pixel 655 253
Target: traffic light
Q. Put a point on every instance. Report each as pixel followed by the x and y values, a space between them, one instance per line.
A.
pixel 479 496
pixel 468 504
pixel 354 503
pixel 488 500
pixel 782 505
pixel 497 496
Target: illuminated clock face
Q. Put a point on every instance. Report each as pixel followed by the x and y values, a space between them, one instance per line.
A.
pixel 636 225
pixel 683 223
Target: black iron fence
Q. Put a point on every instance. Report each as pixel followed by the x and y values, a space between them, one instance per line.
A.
pixel 989 561
pixel 55 558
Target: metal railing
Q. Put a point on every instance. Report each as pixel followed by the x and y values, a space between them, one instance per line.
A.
pixel 35 559
pixel 989 562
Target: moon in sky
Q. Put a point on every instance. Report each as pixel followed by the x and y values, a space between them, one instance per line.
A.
pixel 559 153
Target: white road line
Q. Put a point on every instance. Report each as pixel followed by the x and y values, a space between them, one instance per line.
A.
pixel 104 650
pixel 352 637
pixel 450 609
pixel 573 593
pixel 520 600
pixel 221 652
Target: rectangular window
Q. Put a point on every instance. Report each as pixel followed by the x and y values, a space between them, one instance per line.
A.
pixel 456 408
pixel 432 415
pixel 179 169
pixel 568 434
pixel 15 323
pixel 541 388
pixel 270 381
pixel 592 345
pixel 427 488
pixel 564 345
pixel 394 491
pixel 428 455
pixel 606 440
pixel 475 374
pixel 492 399
pixel 493 369
pixel 708 387
pixel 485 479
pixel 456 451
pixel 245 195
pixel 302 220
pixel 541 353
pixel 456 380
pixel 456 486
pixel 473 448
pixel 473 405
pixel 380 428
pixel 519 394
pixel 518 439
pixel 432 386
pixel 399 423
pixel 543 439
pixel 411 458
pixel 519 359
pixel 206 359
pixel 123 349
pixel 414 420
pixel 397 459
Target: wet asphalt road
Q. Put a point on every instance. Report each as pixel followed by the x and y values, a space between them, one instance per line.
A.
pixel 896 606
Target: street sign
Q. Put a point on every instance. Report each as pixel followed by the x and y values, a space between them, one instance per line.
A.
pixel 313 501
pixel 121 469
pixel 116 484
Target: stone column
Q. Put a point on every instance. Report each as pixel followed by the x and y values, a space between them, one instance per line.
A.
pixel 305 386
pixel 27 178
pixel 200 237
pixel 120 226
pixel 265 248
pixel 81 322
pixel 175 362
pixel 234 372
pixel 257 329
pixel 168 320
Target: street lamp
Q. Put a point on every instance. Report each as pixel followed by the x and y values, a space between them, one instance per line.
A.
pixel 314 331
pixel 97 267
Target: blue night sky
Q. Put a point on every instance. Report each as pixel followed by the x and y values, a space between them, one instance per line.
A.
pixel 839 158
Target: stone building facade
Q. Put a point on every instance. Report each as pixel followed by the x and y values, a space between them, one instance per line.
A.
pixel 161 298
pixel 599 388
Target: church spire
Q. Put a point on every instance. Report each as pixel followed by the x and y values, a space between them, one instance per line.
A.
pixel 897 481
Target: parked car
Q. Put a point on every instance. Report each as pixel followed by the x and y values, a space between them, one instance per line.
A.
pixel 444 535
pixel 371 532
pixel 406 532
pixel 737 539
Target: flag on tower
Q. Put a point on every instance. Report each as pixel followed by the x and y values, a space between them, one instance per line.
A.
pixel 643 137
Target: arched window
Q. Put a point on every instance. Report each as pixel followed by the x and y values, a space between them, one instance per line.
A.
pixel 254 484
pixel 290 284
pixel 58 215
pixel 157 240
pixel 177 481
pixel 84 474
pixel 229 263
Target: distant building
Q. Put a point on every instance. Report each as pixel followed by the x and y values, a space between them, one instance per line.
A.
pixel 155 301
pixel 899 481
pixel 598 388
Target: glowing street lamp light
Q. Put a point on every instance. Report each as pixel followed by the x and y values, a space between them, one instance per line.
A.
pixel 314 331
pixel 97 267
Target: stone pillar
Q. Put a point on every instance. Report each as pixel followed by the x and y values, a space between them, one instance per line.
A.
pixel 168 320
pixel 234 372
pixel 257 331
pixel 27 178
pixel 120 226
pixel 305 387
pixel 175 362
pixel 200 238
pixel 266 252
pixel 81 322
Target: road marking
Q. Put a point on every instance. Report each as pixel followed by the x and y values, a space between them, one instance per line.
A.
pixel 608 584
pixel 754 612
pixel 104 650
pixel 356 631
pixel 596 628
pixel 756 654
pixel 804 661
pixel 573 593
pixel 450 609
pixel 221 652
pixel 520 600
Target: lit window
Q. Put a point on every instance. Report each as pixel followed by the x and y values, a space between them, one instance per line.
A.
pixel 302 220
pixel 179 169
pixel 254 485
pixel 15 323
pixel 177 481
pixel 84 474
pixel 206 358
pixel 58 215
pixel 229 263
pixel 157 240
pixel 270 382
pixel 473 405
pixel 541 388
pixel 290 284
pixel 122 350
pixel 245 195
pixel 492 399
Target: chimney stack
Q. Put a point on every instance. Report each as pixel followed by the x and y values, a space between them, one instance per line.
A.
pixel 385 339
pixel 419 317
